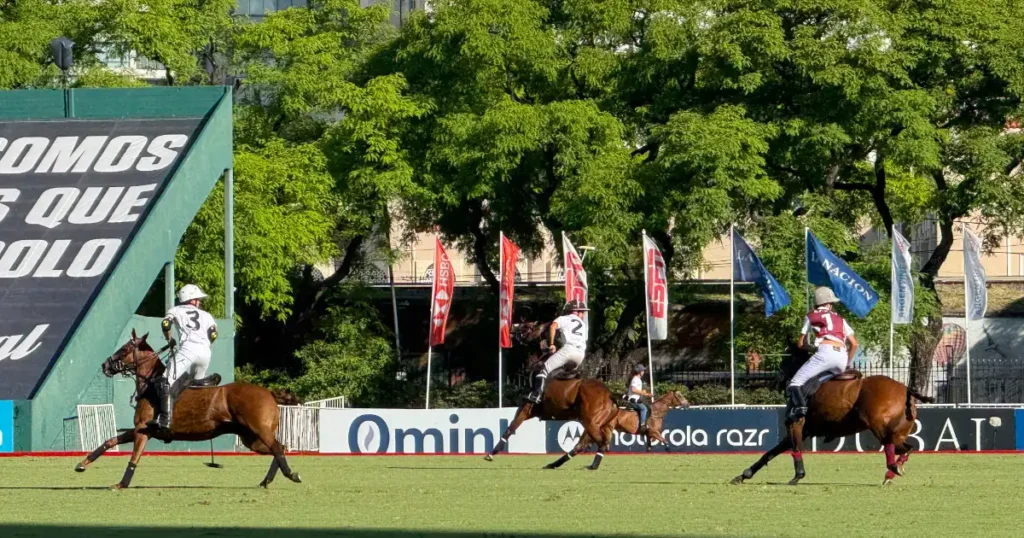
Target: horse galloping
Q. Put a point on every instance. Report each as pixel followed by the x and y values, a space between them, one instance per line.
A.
pixel 201 413
pixel 846 405
pixel 591 403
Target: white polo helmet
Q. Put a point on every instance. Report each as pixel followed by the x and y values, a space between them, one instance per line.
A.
pixel 189 292
pixel 824 295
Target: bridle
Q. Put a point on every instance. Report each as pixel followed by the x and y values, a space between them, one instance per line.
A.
pixel 117 366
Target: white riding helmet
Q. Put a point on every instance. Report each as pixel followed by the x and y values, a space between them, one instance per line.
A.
pixel 189 292
pixel 824 295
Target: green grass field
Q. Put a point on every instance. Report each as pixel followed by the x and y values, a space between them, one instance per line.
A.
pixel 942 495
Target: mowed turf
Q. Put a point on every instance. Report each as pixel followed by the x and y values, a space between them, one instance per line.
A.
pixel 405 496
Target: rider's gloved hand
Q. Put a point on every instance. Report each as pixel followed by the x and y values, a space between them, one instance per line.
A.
pixel 172 342
pixel 552 349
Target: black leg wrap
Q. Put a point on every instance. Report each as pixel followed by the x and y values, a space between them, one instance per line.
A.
pixel 597 461
pixel 500 445
pixel 95 454
pixel 129 472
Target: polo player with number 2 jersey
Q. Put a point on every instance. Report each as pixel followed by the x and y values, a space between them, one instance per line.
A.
pixel 831 334
pixel 574 335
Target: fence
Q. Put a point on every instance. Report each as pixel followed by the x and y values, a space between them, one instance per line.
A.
pixel 95 425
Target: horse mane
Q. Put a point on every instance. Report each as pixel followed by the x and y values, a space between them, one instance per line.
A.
pixel 144 346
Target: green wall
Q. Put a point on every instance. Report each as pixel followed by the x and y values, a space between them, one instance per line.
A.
pixel 75 378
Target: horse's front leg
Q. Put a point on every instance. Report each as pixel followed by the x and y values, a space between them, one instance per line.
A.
pixel 522 415
pixel 749 472
pixel 796 434
pixel 129 471
pixel 123 437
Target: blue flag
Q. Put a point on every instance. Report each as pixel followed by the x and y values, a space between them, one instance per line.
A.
pixel 826 269
pixel 747 267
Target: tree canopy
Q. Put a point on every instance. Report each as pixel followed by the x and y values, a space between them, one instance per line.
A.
pixel 598 119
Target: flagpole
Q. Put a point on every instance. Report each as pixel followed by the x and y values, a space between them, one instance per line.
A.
pixel 807 270
pixel 892 271
pixel 647 317
pixel 732 316
pixel 967 316
pixel 430 333
pixel 501 269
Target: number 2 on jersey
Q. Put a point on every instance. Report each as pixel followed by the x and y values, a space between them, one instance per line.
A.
pixel 576 326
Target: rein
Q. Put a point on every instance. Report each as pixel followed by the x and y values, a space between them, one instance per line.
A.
pixel 119 367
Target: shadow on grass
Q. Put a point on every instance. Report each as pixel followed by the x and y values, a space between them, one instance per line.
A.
pixel 54 531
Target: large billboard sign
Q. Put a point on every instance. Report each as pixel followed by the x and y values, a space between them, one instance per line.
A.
pixel 72 195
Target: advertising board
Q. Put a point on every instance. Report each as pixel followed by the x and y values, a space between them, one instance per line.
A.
pixel 938 429
pixel 424 431
pixel 73 195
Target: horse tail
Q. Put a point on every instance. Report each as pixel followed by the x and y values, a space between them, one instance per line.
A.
pixel 911 394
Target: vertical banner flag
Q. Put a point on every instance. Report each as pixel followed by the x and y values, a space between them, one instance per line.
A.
pixel 826 269
pixel 657 291
pixel 509 257
pixel 748 268
pixel 444 286
pixel 974 277
pixel 902 280
pixel 575 276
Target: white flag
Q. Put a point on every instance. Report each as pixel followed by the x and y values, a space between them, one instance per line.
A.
pixel 656 282
pixel 974 277
pixel 902 280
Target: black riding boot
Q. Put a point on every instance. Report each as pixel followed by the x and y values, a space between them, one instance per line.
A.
pixel 537 394
pixel 162 420
pixel 797 404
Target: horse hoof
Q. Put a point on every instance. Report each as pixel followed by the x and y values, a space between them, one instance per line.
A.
pixel 551 466
pixel 487 457
pixel 264 484
pixel 591 468
pixel 116 486
pixel 887 481
pixel 795 480
pixel 295 478
pixel 900 471
pixel 80 468
pixel 737 481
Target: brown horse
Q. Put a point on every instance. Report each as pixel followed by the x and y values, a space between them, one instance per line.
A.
pixel 846 405
pixel 201 413
pixel 591 403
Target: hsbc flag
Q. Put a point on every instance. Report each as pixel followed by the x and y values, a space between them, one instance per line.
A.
pixel 656 282
pixel 441 294
pixel 509 257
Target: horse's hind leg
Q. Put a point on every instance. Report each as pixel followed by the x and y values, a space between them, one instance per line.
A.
pixel 749 472
pixel 267 443
pixel 604 441
pixel 580 445
pixel 522 415
pixel 123 437
pixel 253 443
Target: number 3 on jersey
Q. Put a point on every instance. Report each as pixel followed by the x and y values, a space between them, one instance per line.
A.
pixel 193 320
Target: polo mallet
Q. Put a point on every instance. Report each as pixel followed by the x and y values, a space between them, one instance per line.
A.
pixel 212 464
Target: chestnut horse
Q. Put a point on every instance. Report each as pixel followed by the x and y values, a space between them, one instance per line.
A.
pixel 585 400
pixel 201 413
pixel 846 405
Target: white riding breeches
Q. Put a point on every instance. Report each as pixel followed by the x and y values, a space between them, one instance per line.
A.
pixel 568 354
pixel 193 360
pixel 829 358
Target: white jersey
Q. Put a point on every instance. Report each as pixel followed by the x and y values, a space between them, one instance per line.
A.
pixel 573 330
pixel 196 328
pixel 635 385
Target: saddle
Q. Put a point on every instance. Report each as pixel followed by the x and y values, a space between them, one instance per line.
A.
pixel 205 383
pixel 814 384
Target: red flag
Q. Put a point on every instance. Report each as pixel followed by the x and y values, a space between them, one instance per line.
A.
pixel 575 276
pixel 441 293
pixel 509 256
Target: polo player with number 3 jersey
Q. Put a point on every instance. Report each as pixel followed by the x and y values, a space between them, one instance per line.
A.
pixel 831 334
pixel 573 330
pixel 197 330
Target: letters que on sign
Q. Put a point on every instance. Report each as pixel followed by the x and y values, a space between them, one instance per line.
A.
pixel 72 193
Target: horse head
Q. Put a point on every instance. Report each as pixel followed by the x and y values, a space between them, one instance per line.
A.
pixel 134 357
pixel 674 400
